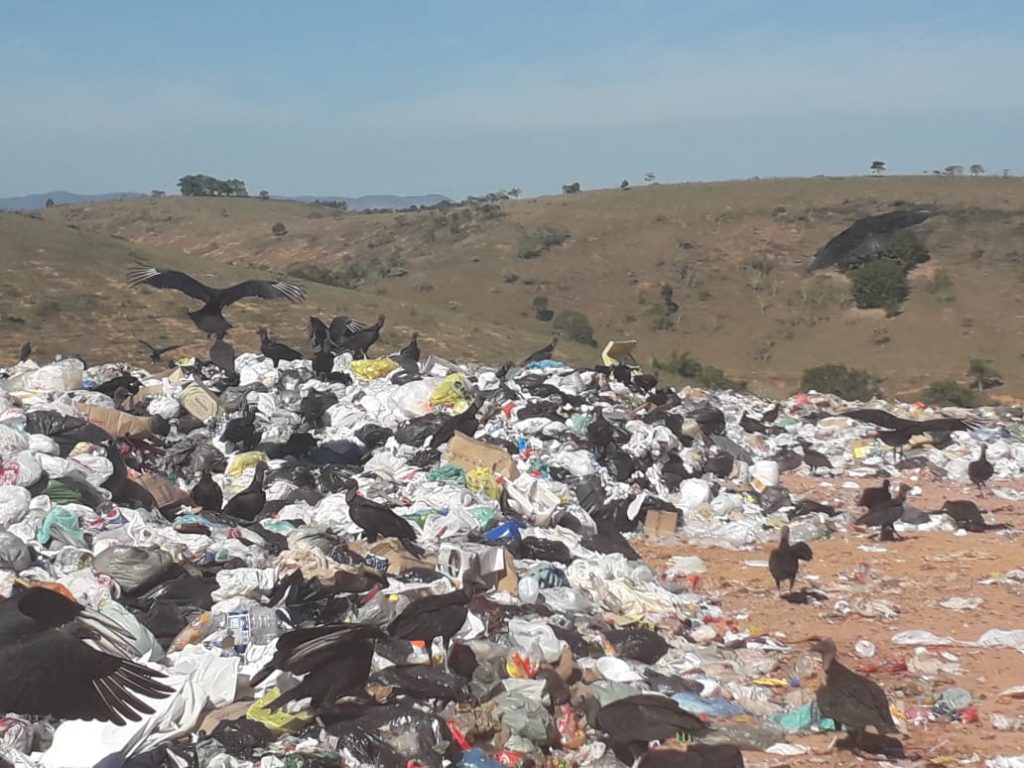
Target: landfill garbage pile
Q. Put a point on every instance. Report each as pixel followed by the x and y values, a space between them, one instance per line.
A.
pixel 398 565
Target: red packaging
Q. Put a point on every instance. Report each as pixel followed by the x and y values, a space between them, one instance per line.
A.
pixel 969 715
pixel 510 758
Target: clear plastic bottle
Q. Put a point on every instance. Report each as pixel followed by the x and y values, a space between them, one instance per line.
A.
pixel 258 625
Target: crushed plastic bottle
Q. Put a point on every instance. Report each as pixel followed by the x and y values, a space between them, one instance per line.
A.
pixel 256 626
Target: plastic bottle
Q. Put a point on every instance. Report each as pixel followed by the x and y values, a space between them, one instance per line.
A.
pixel 256 626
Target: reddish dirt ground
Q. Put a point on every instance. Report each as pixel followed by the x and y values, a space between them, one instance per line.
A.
pixel 914 576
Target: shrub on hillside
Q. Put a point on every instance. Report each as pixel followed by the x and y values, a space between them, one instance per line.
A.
pixel 700 374
pixel 879 284
pixel 847 383
pixel 950 392
pixel 532 243
pixel 279 229
pixel 576 326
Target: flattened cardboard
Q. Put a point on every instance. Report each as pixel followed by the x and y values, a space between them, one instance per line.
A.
pixel 200 402
pixel 465 452
pixel 661 523
pixel 116 423
pixel 166 493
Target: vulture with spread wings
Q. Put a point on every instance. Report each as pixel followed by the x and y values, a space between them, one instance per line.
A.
pixel 209 318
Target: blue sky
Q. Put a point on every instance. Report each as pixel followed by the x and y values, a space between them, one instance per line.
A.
pixel 462 98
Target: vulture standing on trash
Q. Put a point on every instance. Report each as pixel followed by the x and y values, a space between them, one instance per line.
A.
pixel 632 722
pixel 335 660
pixel 784 561
pixel 814 459
pixel 544 353
pixel 222 355
pixel 850 699
pixel 465 422
pixel 980 470
pixel 275 350
pixel 207 494
pixel 884 515
pixel 26 352
pixel 359 342
pixel 209 318
pixel 59 659
pixel 377 520
pixel 247 504
pixel 436 615
pixel 411 351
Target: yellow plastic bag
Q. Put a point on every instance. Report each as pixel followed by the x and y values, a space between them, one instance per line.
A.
pixel 374 368
pixel 453 391
pixel 279 721
pixel 482 479
pixel 243 461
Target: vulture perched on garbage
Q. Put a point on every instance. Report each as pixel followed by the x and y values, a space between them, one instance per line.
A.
pixel 59 659
pixel 966 515
pixel 275 350
pixel 209 318
pixel 436 615
pixel 874 495
pixel 359 342
pixel 634 721
pixel 335 660
pixel 850 699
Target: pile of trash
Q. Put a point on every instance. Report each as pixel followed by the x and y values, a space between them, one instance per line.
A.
pixel 531 485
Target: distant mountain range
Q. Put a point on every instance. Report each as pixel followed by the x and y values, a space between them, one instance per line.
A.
pixel 37 201
pixel 376 201
pixel 34 202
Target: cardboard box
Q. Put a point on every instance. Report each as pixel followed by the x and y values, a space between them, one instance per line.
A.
pixel 142 394
pixel 201 402
pixel 661 523
pixel 492 565
pixel 116 423
pixel 465 452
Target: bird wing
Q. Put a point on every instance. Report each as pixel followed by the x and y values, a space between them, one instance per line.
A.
pixel 318 332
pixel 262 289
pixel 944 425
pixel 52 673
pixel 866 694
pixel 304 650
pixel 165 350
pixel 878 417
pixel 343 326
pixel 179 281
pixel 801 551
pixel 146 344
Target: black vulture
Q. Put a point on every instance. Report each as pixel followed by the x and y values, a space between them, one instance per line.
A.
pixel 435 615
pixel 377 520
pixel 275 350
pixel 980 470
pixel 209 318
pixel 814 459
pixel 695 756
pixel 411 351
pixel 637 643
pixel 885 514
pixel 784 560
pixel 544 353
pixel 156 354
pixel 207 494
pixel 850 699
pixel 874 495
pixel 360 341
pixel 966 515
pixel 911 427
pixel 864 237
pixel 26 352
pixel 631 723
pixel 62 660
pixel 335 660
pixel 319 335
pixel 247 504
pixel 222 355
pixel 342 327
pixel 600 434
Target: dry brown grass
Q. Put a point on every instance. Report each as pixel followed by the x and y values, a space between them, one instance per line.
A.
pixel 710 242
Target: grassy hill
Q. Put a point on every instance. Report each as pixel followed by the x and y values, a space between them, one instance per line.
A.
pixel 64 289
pixel 733 253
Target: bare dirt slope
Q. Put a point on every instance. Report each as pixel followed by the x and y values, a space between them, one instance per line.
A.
pixel 912 577
pixel 733 253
